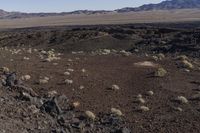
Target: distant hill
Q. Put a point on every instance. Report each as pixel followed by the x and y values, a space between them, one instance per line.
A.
pixel 165 5
pixel 12 15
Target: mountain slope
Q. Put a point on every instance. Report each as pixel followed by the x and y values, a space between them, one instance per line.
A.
pixel 165 5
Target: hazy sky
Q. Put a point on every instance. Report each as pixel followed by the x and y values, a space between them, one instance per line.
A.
pixel 68 5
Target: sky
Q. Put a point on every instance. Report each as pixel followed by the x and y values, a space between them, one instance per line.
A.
pixel 69 5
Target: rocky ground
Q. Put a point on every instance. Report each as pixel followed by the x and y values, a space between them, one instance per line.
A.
pixel 96 89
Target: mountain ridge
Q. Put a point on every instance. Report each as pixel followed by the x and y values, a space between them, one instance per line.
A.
pixel 165 5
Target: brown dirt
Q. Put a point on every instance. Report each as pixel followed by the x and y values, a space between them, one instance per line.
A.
pixel 102 71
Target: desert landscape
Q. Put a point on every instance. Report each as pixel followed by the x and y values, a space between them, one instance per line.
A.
pixel 123 71
pixel 159 16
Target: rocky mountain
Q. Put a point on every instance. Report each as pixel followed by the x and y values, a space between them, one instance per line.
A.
pixel 165 5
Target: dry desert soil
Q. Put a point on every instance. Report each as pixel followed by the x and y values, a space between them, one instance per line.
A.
pixel 142 78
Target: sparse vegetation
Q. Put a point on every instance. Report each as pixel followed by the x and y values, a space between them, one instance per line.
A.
pixel 115 87
pixel 150 93
pixel 144 108
pixel 160 72
pixel 90 115
pixel 116 112
pixel 141 100
pixel 182 99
